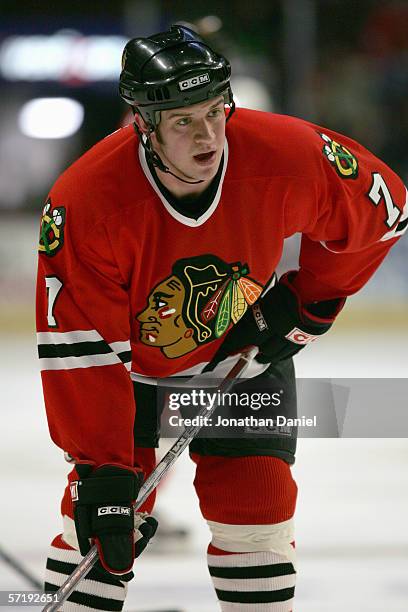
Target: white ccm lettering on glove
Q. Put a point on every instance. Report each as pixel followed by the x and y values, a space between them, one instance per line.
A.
pixel 114 510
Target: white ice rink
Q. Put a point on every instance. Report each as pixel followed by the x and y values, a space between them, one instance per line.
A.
pixel 352 525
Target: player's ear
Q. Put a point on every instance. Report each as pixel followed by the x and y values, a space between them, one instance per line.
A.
pixel 141 123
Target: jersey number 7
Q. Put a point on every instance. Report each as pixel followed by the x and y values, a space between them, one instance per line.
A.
pixel 378 193
pixel 54 286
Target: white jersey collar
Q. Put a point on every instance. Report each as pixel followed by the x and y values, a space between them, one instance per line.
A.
pixel 172 211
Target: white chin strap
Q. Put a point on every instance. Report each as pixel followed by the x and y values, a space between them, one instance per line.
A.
pixel 156 159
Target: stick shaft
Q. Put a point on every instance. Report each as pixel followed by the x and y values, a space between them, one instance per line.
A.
pixel 153 480
pixel 190 432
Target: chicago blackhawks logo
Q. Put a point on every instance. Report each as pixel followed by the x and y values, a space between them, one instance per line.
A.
pixel 344 162
pixel 196 304
pixel 52 229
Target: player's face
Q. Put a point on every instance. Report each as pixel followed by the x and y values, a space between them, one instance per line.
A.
pixel 161 322
pixel 191 139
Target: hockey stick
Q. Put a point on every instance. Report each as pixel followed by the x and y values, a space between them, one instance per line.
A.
pixel 16 565
pixel 153 480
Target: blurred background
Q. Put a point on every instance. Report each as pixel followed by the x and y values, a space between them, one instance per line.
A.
pixel 340 63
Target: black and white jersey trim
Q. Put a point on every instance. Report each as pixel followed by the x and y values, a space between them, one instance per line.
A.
pixel 80 349
pixel 172 211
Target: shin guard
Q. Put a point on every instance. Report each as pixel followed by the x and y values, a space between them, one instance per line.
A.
pixel 249 504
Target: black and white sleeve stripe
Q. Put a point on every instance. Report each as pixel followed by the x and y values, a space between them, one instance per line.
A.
pixel 80 349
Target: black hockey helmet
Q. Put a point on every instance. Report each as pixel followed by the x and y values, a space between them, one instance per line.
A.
pixel 171 70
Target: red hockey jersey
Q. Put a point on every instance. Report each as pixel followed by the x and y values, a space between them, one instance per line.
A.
pixel 128 286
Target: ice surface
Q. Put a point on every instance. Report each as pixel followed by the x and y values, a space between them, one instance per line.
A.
pixel 352 537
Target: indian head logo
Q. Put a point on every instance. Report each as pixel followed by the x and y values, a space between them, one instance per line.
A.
pixel 196 304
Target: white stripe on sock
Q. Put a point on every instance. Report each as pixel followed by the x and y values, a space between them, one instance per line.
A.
pixel 255 584
pixel 246 559
pixel 70 606
pixel 67 556
pixel 254 538
pixel 278 606
pixel 90 587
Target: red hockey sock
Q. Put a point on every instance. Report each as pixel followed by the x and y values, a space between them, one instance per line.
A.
pixel 249 504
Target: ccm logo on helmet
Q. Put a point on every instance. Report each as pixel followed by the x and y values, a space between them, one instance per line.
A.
pixel 300 337
pixel 113 510
pixel 194 81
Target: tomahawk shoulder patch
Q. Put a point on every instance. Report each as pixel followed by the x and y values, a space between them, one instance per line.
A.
pixel 344 162
pixel 52 229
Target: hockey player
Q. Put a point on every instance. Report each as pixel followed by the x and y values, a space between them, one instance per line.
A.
pixel 157 256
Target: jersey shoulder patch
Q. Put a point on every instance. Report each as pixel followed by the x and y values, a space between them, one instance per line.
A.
pixel 51 229
pixel 341 158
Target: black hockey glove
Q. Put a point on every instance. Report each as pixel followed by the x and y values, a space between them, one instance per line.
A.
pixel 103 501
pixel 279 324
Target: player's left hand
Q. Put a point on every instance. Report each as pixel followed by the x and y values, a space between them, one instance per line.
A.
pixel 279 324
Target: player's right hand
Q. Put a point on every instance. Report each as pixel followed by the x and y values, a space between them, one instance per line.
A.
pixel 279 324
pixel 104 501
